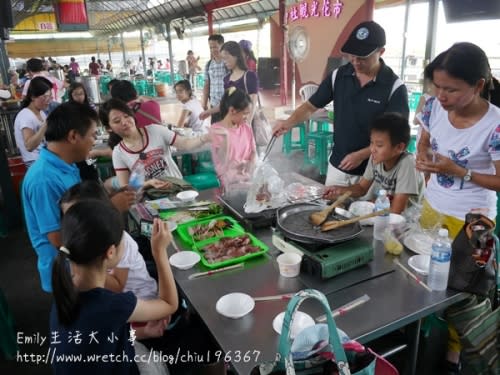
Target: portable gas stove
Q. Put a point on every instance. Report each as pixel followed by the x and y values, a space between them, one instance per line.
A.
pixel 328 260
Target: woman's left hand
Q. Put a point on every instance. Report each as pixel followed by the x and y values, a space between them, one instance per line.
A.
pixel 440 164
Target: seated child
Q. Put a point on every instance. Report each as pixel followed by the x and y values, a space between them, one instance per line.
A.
pixel 233 143
pixel 92 238
pixel 130 274
pixel 390 166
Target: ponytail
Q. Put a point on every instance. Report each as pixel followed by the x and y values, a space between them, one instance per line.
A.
pixel 235 98
pixel 493 91
pixel 65 295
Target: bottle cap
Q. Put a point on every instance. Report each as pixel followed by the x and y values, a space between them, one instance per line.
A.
pixel 382 192
pixel 443 232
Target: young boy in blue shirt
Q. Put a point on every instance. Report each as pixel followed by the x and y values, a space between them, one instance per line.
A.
pixel 390 166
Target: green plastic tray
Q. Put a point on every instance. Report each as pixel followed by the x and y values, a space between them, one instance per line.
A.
pixel 183 229
pixel 254 240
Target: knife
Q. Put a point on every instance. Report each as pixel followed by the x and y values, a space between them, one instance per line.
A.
pixel 208 273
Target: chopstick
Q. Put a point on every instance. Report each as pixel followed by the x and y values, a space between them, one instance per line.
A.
pixel 174 245
pixel 416 278
pixel 345 308
pixel 274 298
pixel 208 273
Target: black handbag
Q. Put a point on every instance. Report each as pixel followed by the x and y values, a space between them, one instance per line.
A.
pixel 472 257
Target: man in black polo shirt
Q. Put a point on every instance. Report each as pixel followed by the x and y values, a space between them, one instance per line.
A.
pixel 360 90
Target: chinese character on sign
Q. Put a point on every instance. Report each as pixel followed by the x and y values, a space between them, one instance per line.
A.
pixel 54 335
pixel 337 8
pixel 314 9
pixel 77 337
pixel 303 11
pixel 327 8
pixel 112 337
pixel 294 14
pixel 92 337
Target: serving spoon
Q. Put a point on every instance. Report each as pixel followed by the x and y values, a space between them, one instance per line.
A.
pixel 318 218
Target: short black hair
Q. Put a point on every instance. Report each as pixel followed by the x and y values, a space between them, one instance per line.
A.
pixel 85 190
pixel 395 125
pixel 216 38
pixel 123 90
pixel 34 65
pixel 69 116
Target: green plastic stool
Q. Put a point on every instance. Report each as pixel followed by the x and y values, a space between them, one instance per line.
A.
pixel 203 181
pixel 318 149
pixel 412 145
pixel 413 100
pixel 204 163
pixel 290 144
pixel 105 167
pixel 141 86
pixel 200 80
pixel 320 126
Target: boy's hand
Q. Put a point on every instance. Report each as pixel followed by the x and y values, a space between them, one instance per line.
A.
pixel 332 192
pixel 160 237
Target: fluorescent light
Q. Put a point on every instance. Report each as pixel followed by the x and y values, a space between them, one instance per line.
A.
pixel 247 21
pixel 62 35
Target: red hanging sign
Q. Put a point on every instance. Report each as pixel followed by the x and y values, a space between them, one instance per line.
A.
pixel 71 15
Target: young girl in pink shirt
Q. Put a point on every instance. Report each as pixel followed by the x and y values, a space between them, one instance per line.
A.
pixel 233 143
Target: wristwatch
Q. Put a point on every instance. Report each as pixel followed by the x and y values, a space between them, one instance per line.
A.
pixel 468 175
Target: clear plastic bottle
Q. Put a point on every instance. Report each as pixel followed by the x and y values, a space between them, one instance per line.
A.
pixel 440 261
pixel 137 177
pixel 381 222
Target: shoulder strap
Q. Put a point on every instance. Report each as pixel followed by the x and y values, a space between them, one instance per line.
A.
pixel 246 89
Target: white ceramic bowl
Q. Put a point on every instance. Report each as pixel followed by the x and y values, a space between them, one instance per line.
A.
pixel 235 305
pixel 187 196
pixel 184 260
pixel 300 321
pixel 360 208
pixel 420 263
pixel 289 264
pixel 419 243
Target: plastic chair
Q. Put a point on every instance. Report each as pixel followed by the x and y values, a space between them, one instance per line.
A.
pixel 307 90
pixel 412 145
pixel 318 149
pixel 290 144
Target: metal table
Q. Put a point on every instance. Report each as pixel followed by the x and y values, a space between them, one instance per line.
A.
pixel 395 301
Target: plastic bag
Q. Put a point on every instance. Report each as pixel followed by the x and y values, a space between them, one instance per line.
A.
pixel 267 190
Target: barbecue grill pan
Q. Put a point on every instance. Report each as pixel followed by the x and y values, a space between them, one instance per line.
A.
pixel 293 222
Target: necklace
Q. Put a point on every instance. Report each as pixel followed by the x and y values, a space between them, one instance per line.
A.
pixel 142 154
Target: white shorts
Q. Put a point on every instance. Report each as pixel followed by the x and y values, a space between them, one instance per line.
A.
pixel 336 177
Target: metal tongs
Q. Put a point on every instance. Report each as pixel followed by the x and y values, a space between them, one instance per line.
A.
pixel 269 147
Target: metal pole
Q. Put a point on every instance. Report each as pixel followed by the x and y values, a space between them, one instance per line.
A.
pixel 109 50
pixel 284 55
pixel 168 38
pixel 97 48
pixel 210 20
pixel 4 63
pixel 405 35
pixel 143 53
pixel 123 52
pixel 430 44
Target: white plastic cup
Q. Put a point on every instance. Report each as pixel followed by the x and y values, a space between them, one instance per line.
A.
pixel 289 264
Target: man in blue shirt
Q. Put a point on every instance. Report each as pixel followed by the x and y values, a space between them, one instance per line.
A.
pixel 70 135
pixel 361 90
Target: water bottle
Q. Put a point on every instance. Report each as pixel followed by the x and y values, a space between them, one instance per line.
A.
pixel 381 223
pixel 137 177
pixel 440 261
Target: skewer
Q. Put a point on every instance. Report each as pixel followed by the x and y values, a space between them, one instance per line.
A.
pixel 345 308
pixel 416 278
pixel 208 273
pixel 284 297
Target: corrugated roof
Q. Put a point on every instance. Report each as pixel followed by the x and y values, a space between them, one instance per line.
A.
pixel 113 16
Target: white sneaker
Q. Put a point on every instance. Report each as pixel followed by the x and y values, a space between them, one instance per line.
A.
pixel 4 94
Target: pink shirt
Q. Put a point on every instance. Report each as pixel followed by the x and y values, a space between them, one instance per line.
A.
pixel 233 153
